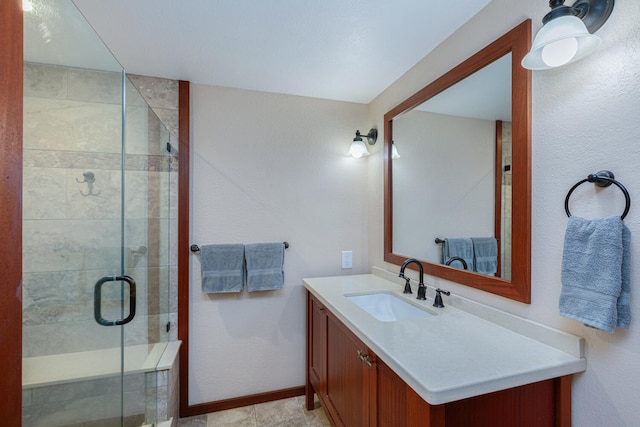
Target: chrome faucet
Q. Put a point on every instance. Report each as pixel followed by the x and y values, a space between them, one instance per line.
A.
pixel 422 289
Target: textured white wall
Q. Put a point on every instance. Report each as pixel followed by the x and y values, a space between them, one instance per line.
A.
pixel 269 167
pixel 585 118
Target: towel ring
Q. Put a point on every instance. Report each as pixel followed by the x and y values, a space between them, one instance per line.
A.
pixel 601 179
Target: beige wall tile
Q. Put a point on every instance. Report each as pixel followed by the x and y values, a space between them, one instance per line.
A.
pixel 44 193
pixel 71 126
pixel 95 86
pixel 159 93
pixel 45 81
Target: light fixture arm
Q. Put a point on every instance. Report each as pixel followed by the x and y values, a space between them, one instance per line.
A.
pixel 372 136
pixel 594 13
pixel 558 9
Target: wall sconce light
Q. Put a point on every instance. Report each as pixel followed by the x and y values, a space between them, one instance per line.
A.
pixel 567 33
pixel 394 151
pixel 358 148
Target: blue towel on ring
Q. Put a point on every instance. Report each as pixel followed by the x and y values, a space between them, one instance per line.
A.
pixel 596 273
pixel 264 266
pixel 624 303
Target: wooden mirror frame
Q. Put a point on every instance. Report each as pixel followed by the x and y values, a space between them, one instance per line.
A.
pixel 518 42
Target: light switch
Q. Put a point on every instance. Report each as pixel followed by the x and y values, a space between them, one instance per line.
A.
pixel 347 259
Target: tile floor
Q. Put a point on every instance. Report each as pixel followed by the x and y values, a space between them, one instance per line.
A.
pixel 287 412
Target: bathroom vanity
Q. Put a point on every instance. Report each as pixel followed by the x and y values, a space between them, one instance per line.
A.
pixel 461 365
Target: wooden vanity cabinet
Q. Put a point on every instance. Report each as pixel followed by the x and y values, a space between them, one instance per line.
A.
pixel 531 405
pixel 316 346
pixel 350 376
pixel 358 389
pixel 398 405
pixel 338 368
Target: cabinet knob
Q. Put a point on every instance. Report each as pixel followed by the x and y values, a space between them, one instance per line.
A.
pixel 320 309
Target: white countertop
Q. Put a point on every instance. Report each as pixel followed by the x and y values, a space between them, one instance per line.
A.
pixel 451 355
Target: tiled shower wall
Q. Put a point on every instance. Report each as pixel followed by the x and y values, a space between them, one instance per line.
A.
pixel 71 238
pixel 162 96
pixel 507 144
pixel 87 403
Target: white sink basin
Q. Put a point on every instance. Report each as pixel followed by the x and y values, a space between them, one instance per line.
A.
pixel 388 307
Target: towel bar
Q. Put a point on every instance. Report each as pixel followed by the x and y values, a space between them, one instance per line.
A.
pixel 196 248
pixel 601 179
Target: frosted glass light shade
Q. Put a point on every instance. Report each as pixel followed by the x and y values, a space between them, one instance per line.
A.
pixel 358 149
pixel 394 152
pixel 561 41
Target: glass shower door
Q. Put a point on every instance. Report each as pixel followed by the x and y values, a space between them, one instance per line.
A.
pixel 148 167
pixel 95 209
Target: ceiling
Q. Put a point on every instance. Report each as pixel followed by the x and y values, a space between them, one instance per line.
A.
pixel 348 50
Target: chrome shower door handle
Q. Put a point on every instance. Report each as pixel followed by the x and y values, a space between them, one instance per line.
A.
pixel 97 300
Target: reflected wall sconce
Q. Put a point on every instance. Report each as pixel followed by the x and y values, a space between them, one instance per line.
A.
pixel 567 33
pixel 394 151
pixel 358 148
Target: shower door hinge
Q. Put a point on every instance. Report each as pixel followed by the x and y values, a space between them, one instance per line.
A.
pixel 172 150
pixel 168 326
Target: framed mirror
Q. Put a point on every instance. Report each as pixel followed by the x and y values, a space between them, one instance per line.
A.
pixel 464 170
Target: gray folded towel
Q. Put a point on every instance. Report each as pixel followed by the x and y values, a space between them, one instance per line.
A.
pixel 264 266
pixel 462 248
pixel 485 254
pixel 623 305
pixel 596 273
pixel 222 268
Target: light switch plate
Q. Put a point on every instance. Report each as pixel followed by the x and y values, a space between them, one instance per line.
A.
pixel 347 259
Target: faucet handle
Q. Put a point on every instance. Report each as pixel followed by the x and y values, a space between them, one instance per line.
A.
pixel 438 299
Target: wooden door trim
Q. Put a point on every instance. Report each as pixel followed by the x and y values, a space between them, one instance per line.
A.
pixel 11 84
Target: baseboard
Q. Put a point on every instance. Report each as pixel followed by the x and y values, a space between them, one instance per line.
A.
pixel 237 402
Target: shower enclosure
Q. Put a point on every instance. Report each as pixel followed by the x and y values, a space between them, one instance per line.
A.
pixel 99 210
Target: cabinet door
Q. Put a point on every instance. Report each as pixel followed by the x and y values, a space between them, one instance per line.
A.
pixel 398 405
pixel 349 368
pixel 391 397
pixel 317 347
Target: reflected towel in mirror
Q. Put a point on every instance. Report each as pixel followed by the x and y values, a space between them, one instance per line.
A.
pixel 458 247
pixel 485 254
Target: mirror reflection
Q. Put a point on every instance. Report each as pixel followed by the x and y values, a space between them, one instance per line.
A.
pixel 464 172
pixel 457 144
